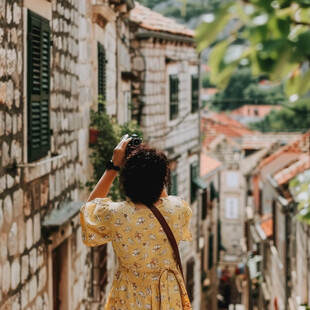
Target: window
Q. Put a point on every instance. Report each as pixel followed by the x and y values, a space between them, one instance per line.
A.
pixel 231 208
pixel 190 281
pixel 100 271
pixel 210 252
pixel 195 93
pixel 174 96
pixel 232 179
pixel 193 176
pixel 173 190
pixel 38 86
pixel 204 204
pixel 101 77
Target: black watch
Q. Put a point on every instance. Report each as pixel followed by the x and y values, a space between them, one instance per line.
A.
pixel 109 165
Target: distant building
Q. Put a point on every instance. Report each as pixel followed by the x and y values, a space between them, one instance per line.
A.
pixel 272 232
pixel 210 235
pixel 251 113
pixel 166 103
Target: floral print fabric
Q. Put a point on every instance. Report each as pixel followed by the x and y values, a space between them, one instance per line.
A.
pixel 148 276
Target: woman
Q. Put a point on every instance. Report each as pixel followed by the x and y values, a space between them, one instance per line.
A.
pixel 148 276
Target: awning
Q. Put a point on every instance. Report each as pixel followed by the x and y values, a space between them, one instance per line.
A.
pixel 200 183
pixel 61 216
pixel 253 268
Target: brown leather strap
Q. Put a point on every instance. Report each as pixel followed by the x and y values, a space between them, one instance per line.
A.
pixel 169 234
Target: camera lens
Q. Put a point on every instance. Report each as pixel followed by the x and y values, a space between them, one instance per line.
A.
pixel 136 142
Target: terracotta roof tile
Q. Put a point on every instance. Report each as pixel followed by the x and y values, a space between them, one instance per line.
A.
pixel 214 124
pixel 285 175
pixel 154 21
pixel 208 164
pixel 301 145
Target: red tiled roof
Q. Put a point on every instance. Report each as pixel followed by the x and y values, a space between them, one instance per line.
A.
pixel 267 225
pixel 301 145
pixel 208 164
pixel 154 21
pixel 255 110
pixel 214 124
pixel 285 175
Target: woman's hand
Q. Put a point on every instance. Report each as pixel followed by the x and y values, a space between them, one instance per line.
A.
pixel 118 157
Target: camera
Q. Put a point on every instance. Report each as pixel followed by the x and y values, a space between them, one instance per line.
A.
pixel 135 140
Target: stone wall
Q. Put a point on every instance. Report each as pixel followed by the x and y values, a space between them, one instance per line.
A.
pixel 14 271
pixel 28 194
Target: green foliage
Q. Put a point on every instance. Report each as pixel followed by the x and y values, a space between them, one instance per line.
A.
pixel 206 80
pixel 300 189
pixel 275 38
pixel 292 117
pixel 244 88
pixel 110 133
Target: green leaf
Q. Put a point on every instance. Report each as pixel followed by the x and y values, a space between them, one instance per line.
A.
pixel 206 33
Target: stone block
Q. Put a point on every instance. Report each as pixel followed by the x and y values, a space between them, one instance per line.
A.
pixel 8 124
pixel 29 233
pixel 14 36
pixel 24 268
pixel 2 89
pixel 8 209
pixel 36 228
pixel 9 13
pixel 11 63
pixel 16 13
pixel 5 154
pixel 6 277
pixel 32 288
pixel 12 240
pixel 17 98
pixel 15 274
pixel 16 302
pixel 19 62
pixel 3 247
pixel 1 214
pixel 18 201
pixel 9 181
pixel 2 122
pixel 16 151
pixel 33 260
pixel 24 298
pixel 40 256
pixel 42 278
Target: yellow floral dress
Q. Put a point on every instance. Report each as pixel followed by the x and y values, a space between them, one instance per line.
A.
pixel 148 276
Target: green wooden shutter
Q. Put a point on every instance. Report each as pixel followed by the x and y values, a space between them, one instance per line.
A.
pixel 173 190
pixel 194 174
pixel 101 77
pixel 204 204
pixel 174 96
pixel 210 252
pixel 195 93
pixel 190 280
pixel 38 86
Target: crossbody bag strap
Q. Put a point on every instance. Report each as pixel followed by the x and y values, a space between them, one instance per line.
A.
pixel 169 234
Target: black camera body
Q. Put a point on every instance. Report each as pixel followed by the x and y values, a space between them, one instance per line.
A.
pixel 135 141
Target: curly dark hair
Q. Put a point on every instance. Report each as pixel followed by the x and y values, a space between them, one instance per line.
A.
pixel 145 173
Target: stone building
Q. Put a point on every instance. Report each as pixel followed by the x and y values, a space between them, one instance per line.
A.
pixel 210 237
pixel 54 60
pixel 165 100
pixel 274 236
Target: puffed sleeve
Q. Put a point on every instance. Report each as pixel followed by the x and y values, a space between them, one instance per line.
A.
pixel 187 213
pixel 95 219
